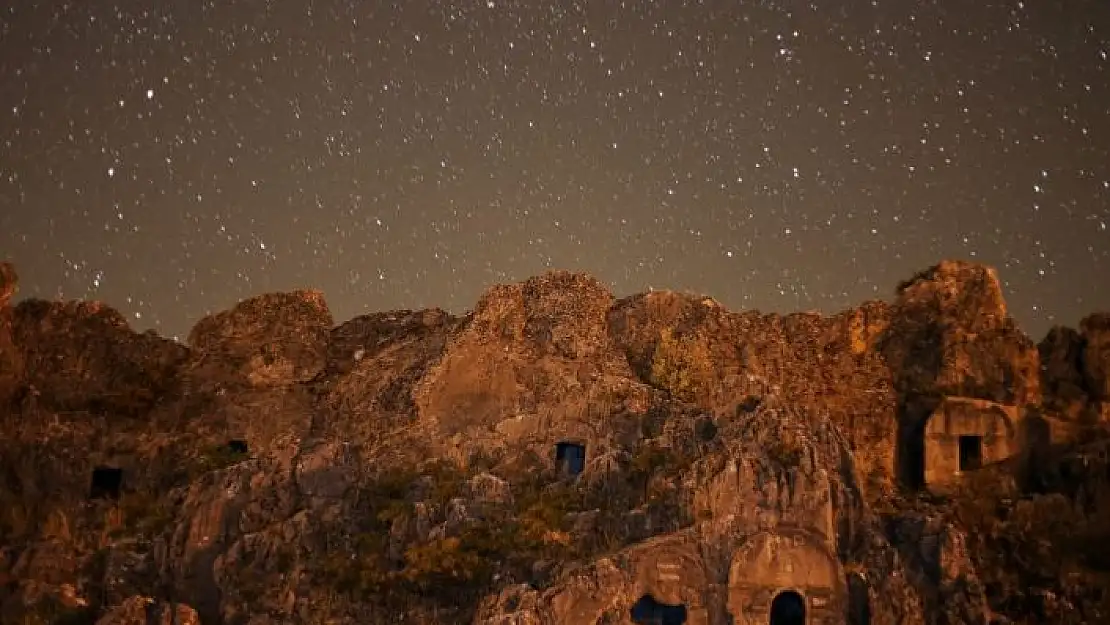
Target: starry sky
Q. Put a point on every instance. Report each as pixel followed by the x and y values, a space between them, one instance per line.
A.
pixel 171 158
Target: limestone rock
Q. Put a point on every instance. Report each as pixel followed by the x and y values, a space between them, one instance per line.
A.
pixel 1096 355
pixel 951 335
pixel 1062 377
pixel 146 611
pixel 533 364
pixel 374 364
pixel 270 339
pixel 11 361
pixel 555 456
pixel 9 282
pixel 779 511
pixel 82 356
pixel 733 358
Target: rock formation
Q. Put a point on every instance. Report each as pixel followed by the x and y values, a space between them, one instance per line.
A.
pixel 556 456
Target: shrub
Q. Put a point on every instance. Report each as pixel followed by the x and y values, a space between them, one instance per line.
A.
pixel 680 366
pixel 144 513
pixel 218 457
pixel 787 450
pixel 444 562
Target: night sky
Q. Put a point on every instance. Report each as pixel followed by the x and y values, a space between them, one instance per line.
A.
pixel 172 157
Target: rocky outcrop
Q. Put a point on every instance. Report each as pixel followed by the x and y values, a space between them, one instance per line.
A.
pixel 9 283
pixel 147 611
pixel 82 356
pixel 557 455
pixel 269 339
pixel 1096 355
pixel 1062 372
pixel 950 334
pixel 11 361
pixel 1075 370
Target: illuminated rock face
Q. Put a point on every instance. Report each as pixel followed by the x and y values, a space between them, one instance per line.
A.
pixel 782 576
pixel 964 435
pixel 777 503
pixel 276 458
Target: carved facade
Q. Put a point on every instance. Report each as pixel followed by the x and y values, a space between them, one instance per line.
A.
pixel 965 434
pixel 781 576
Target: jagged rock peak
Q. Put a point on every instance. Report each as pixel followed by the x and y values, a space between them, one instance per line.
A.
pixel 82 355
pixel 563 309
pixel 257 314
pixel 958 287
pixel 548 288
pixel 1096 356
pixel 270 337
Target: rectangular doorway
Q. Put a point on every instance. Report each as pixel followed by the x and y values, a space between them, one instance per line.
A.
pixel 971 453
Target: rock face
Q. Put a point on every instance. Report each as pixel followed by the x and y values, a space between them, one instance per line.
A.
pixel 556 456
pixel 82 356
pixel 777 514
pixel 951 335
pixel 11 361
pixel 1096 355
pixel 1075 369
pixel 146 611
pixel 266 339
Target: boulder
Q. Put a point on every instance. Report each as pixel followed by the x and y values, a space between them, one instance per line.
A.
pixel 1066 390
pixel 82 356
pixel 139 610
pixel 1095 330
pixel 272 339
pixel 950 334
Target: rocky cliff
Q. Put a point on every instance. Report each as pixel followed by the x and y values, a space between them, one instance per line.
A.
pixel 557 456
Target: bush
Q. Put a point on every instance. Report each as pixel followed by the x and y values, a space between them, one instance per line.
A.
pixel 461 566
pixel 787 450
pixel 682 367
pixel 215 458
pixel 444 562
pixel 1028 546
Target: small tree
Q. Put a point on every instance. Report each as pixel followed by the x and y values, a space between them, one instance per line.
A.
pixel 680 366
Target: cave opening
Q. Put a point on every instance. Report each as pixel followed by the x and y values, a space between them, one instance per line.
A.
pixel 106 483
pixel 238 447
pixel 649 611
pixel 788 608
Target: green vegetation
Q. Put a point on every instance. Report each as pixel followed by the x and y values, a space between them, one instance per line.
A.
pixel 653 470
pixel 1027 546
pixel 49 610
pixel 143 513
pixel 510 538
pixel 680 366
pixel 215 458
pixel 787 450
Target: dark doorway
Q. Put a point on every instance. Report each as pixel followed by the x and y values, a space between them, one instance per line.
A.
pixel 911 456
pixel 237 447
pixel 106 483
pixel 648 611
pixel 859 600
pixel 570 458
pixel 788 608
pixel 971 453
pixel 1037 441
